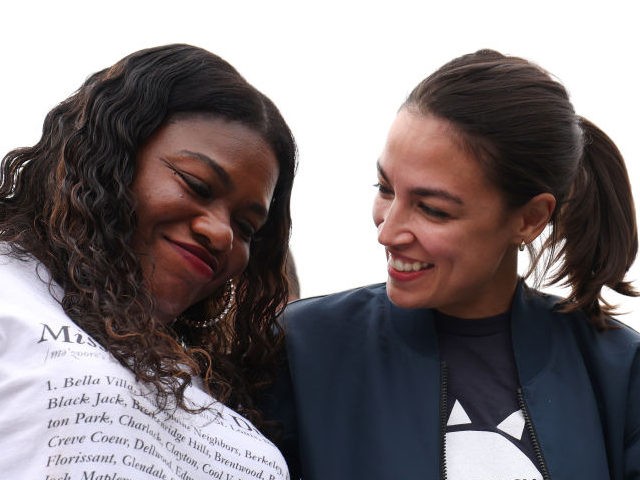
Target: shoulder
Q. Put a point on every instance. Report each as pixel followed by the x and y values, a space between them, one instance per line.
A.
pixel 24 279
pixel 338 315
pixel 348 301
pixel 539 304
pixel 538 321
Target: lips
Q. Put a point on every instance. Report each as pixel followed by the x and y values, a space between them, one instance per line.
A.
pixel 199 258
pixel 404 269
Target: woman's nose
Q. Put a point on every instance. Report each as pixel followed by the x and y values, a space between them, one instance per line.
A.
pixel 393 226
pixel 215 228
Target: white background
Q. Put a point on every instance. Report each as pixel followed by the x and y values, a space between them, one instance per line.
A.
pixel 338 70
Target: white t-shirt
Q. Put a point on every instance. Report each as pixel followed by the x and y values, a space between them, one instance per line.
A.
pixel 70 411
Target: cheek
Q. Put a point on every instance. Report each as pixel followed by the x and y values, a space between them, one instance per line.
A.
pixel 444 244
pixel 142 236
pixel 239 259
pixel 472 249
pixel 145 207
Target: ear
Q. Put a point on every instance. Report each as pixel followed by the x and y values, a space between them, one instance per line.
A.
pixel 534 216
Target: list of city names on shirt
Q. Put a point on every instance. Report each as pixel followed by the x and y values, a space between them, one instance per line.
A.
pixel 101 427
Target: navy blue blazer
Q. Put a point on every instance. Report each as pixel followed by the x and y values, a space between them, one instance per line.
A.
pixel 360 396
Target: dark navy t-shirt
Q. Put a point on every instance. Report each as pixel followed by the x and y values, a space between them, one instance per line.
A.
pixel 486 435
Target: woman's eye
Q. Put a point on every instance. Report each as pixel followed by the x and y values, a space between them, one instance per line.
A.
pixel 383 189
pixel 434 212
pixel 246 230
pixel 198 187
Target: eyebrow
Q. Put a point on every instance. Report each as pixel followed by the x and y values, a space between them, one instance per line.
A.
pixel 425 192
pixel 211 163
pixel 224 176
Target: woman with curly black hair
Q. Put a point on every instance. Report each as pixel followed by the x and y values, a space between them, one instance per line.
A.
pixel 144 240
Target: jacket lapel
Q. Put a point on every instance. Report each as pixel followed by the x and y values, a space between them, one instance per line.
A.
pixel 557 389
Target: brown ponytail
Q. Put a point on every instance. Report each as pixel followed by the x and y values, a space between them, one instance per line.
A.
pixel 597 228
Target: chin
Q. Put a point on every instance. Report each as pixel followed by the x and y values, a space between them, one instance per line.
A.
pixel 404 299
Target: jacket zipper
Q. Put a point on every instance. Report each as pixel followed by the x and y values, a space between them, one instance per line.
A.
pixel 443 421
pixel 534 439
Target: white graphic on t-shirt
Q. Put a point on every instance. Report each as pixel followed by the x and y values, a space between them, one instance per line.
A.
pixel 458 415
pixel 513 425
pixel 487 455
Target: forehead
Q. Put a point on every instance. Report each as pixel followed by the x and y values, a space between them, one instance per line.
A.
pixel 423 151
pixel 227 142
pixel 211 132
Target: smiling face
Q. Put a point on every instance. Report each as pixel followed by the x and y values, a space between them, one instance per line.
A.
pixel 202 188
pixel 451 244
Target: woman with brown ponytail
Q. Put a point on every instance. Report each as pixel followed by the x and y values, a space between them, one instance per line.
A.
pixel 456 368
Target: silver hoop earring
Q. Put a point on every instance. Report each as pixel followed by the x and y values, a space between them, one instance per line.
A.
pixel 522 246
pixel 229 297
